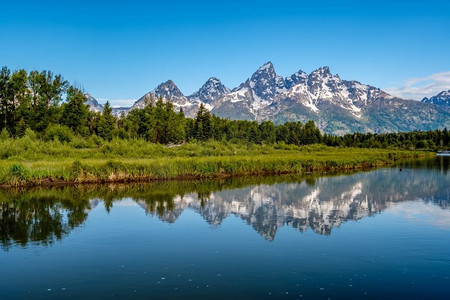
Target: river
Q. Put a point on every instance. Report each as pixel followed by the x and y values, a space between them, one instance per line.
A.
pixel 383 233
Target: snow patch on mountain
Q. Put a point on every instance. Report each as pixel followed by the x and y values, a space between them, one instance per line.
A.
pixel 168 91
pixel 210 92
pixel 442 100
pixel 93 103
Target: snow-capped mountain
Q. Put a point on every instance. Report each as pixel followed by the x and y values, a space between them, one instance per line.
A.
pixel 442 99
pixel 314 91
pixel 93 103
pixel 299 77
pixel 168 91
pixel 209 93
pixel 322 90
pixel 252 96
pixel 337 106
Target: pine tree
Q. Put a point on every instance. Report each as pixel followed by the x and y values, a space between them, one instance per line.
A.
pixel 267 132
pixel 5 74
pixel 446 137
pixel 19 95
pixel 106 123
pixel 75 111
pixel 312 133
pixel 174 125
pixel 254 133
pixel 202 126
pixel 207 129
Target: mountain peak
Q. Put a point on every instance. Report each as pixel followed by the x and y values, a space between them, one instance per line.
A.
pixel 93 103
pixel 168 88
pixel 444 94
pixel 265 72
pixel 442 99
pixel 168 83
pixel 265 85
pixel 322 72
pixel 213 79
pixel 299 77
pixel 211 91
pixel 267 66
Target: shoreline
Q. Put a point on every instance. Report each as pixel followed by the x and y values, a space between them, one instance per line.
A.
pixel 55 182
pixel 77 172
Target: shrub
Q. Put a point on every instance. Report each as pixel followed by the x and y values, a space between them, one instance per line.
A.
pixel 58 132
pixel 4 135
pixel 30 134
pixel 421 145
pixel 95 140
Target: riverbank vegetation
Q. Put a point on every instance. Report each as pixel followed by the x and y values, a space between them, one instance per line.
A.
pixel 36 162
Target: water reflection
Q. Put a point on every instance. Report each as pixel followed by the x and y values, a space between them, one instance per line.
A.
pixel 40 217
pixel 43 216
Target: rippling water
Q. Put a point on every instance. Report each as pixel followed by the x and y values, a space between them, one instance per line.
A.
pixel 368 235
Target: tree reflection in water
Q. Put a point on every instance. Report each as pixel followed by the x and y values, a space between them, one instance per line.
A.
pixel 42 216
pixel 39 217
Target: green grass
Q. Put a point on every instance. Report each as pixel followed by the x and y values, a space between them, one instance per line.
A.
pixel 30 161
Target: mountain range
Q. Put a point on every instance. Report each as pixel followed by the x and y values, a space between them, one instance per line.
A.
pixel 442 100
pixel 336 105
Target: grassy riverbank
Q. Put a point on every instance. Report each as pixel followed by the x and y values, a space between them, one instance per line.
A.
pixel 35 162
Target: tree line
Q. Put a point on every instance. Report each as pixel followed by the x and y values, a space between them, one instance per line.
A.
pixel 48 105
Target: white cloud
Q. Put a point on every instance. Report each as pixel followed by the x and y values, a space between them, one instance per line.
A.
pixel 125 202
pixel 421 212
pixel 418 88
pixel 118 102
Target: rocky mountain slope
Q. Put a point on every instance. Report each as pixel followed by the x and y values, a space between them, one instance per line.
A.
pixel 93 103
pixel 212 90
pixel 442 100
pixel 336 105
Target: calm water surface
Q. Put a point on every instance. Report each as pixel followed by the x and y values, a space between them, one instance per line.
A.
pixel 368 235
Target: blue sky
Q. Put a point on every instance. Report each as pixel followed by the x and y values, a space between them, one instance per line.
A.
pixel 121 50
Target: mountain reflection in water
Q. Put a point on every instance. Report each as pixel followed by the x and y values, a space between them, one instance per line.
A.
pixel 43 216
